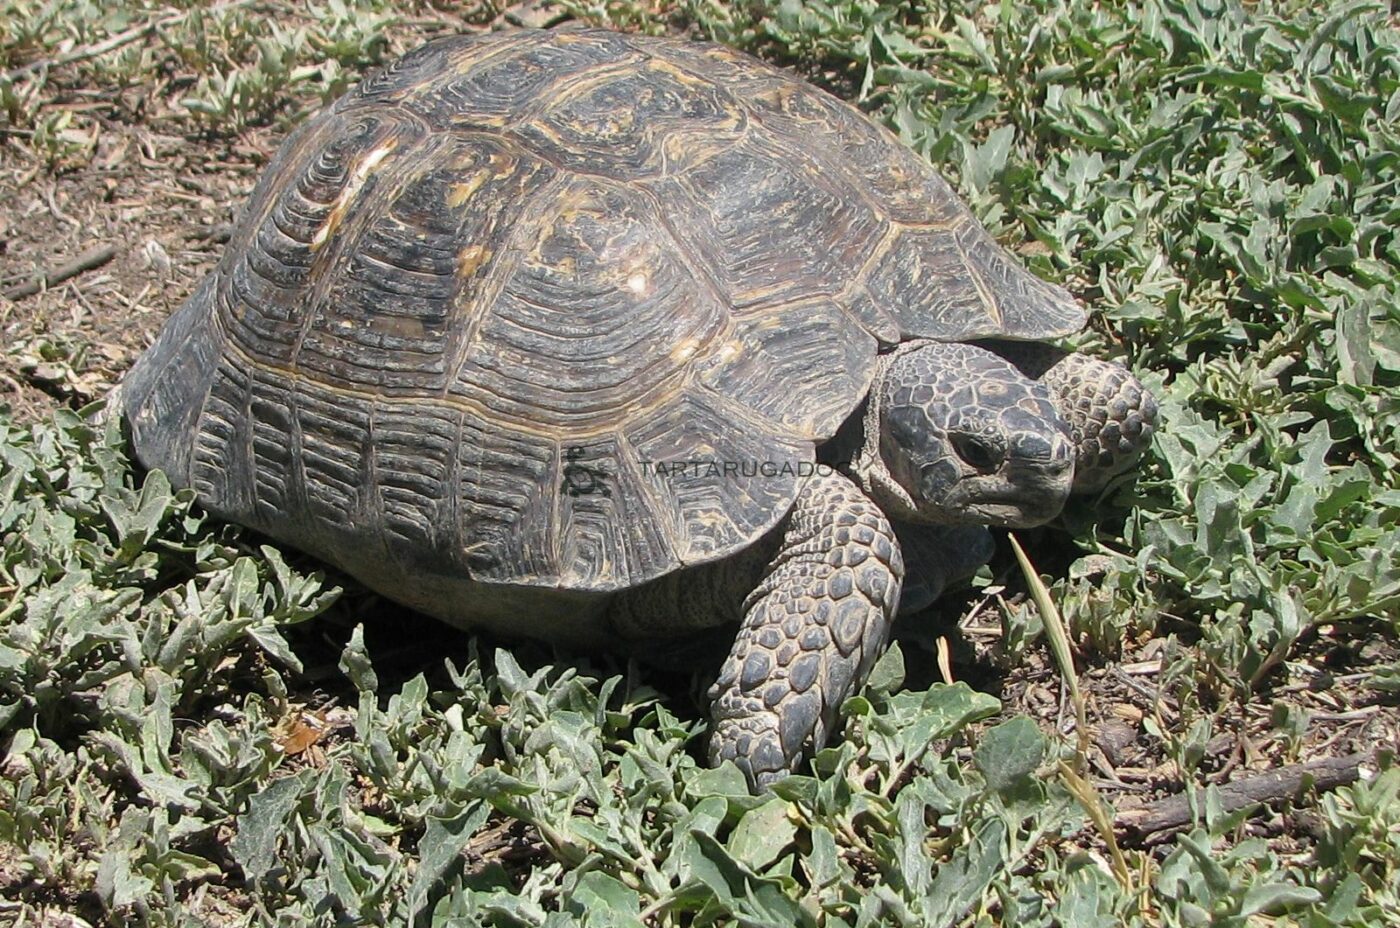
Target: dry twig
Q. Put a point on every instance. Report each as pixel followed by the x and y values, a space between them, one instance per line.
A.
pixel 92 258
pixel 1271 786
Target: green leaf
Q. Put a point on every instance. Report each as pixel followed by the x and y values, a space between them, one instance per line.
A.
pixel 986 162
pixel 602 899
pixel 918 720
pixel 738 889
pixel 762 834
pixel 442 844
pixel 270 640
pixel 117 884
pixel 1197 845
pixel 887 675
pixel 1088 899
pixel 355 663
pixel 254 846
pixel 725 780
pixel 1356 362
pixel 962 880
pixel 823 863
pixel 1009 753
pixel 1273 898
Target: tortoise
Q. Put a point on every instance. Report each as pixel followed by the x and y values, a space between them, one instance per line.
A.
pixel 611 340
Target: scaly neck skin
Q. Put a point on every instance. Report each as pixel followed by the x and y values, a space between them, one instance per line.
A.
pixel 867 467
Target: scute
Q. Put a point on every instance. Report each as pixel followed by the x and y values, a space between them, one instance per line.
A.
pixel 635 122
pixel 498 83
pixel 559 312
pixel 812 346
pixel 314 202
pixel 683 457
pixel 594 315
pixel 769 224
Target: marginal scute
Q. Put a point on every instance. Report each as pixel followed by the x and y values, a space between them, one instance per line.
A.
pixel 1028 307
pixel 683 451
pixel 959 284
pixel 504 485
pixel 221 471
pixel 413 459
pixel 333 454
pixel 614 526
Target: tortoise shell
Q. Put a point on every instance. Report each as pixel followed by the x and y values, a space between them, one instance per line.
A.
pixel 565 310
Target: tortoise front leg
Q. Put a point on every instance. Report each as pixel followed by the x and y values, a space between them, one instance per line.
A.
pixel 811 631
pixel 1111 415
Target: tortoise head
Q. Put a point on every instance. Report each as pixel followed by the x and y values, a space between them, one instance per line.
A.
pixel 964 437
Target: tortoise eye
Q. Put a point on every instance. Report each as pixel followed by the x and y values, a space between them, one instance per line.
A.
pixel 978 454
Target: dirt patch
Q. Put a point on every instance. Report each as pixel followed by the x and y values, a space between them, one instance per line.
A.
pixel 162 200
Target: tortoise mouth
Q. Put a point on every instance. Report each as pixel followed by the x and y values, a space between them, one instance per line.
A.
pixel 1012 513
pixel 995 501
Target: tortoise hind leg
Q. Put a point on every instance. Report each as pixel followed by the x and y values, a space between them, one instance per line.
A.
pixel 811 631
pixel 1111 415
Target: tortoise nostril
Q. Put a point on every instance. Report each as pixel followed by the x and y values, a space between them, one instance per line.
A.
pixel 978 454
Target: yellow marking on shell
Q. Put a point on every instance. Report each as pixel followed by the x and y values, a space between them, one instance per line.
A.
pixel 358 175
pixel 498 165
pixel 989 300
pixel 478 547
pixel 685 350
pixel 460 193
pixel 459 63
pixel 729 351
pixel 680 75
pixel 471 258
pixel 638 283
pixel 779 98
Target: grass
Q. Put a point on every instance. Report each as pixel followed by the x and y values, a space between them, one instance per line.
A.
pixel 197 731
